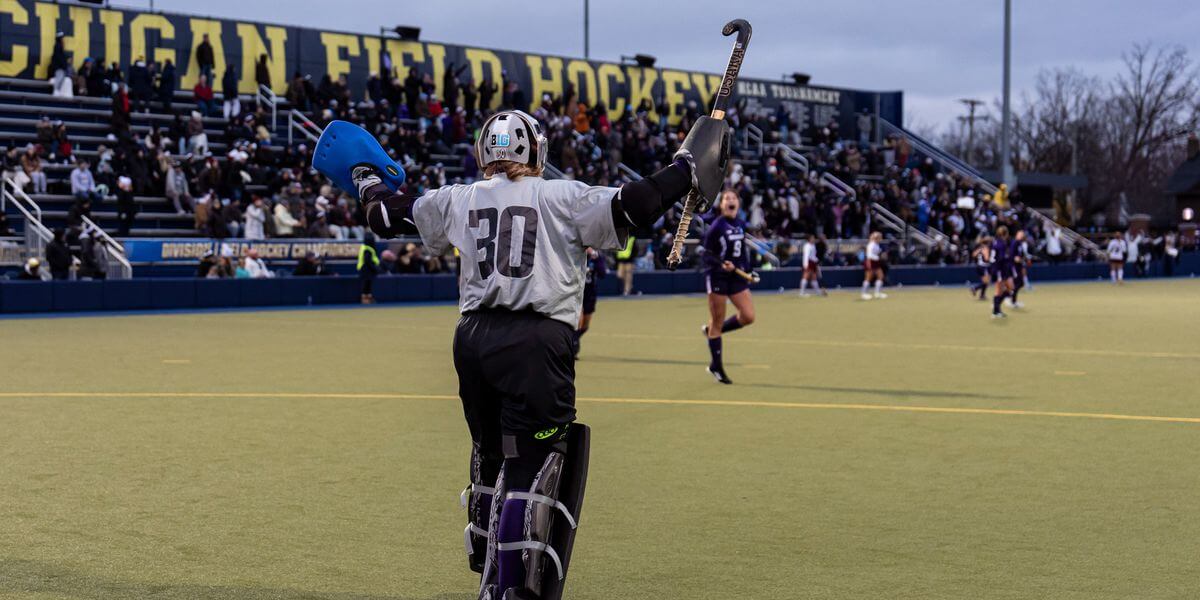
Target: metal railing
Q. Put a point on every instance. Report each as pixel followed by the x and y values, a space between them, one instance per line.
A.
pixel 752 139
pixel 628 173
pixel 267 97
pixel 36 234
pixel 962 168
pixel 118 266
pixel 298 122
pixel 791 158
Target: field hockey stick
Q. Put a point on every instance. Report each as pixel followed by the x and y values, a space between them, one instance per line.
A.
pixel 751 277
pixel 742 28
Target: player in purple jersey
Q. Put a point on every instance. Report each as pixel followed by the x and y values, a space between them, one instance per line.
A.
pixel 1002 270
pixel 1020 261
pixel 725 253
pixel 596 269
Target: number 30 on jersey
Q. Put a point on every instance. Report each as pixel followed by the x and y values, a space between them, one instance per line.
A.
pixel 498 238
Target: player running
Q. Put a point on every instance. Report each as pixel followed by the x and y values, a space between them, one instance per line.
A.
pixel 596 269
pixel 812 267
pixel 873 267
pixel 725 252
pixel 1118 249
pixel 1002 270
pixel 522 241
pixel 983 265
pixel 1021 258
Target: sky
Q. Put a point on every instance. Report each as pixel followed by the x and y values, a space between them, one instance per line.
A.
pixel 936 52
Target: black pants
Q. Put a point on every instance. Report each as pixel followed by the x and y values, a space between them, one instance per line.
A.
pixel 516 376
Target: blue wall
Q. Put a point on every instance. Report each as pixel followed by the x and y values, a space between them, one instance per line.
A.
pixel 182 293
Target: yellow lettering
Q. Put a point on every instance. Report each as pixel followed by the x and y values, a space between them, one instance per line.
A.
pixel 541 85
pixel 478 58
pixel 334 44
pixel 706 87
pixel 641 85
pixel 200 27
pixel 47 15
pixel 674 82
pixel 78 44
pixel 254 47
pixel 437 56
pixel 405 54
pixel 580 73
pixel 112 21
pixel 137 38
pixel 372 46
pixel 610 72
pixel 20 54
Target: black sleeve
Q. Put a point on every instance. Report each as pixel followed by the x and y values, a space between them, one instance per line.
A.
pixel 640 203
pixel 389 214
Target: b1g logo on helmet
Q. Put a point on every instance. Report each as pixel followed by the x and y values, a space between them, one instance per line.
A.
pixel 500 139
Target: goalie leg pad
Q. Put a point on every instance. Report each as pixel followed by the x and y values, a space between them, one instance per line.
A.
pixel 550 511
pixel 478 498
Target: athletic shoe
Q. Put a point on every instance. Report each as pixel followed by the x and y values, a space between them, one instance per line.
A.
pixel 1018 305
pixel 719 374
pixel 999 315
pixel 803 295
pixel 866 296
pixel 881 296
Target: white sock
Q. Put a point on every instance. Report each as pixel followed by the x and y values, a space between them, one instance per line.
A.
pixel 878 286
pixel 1113 275
pixel 1120 274
pixel 816 285
pixel 866 286
pixel 803 284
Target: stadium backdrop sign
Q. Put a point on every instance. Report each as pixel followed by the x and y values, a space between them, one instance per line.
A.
pixel 191 250
pixel 28 29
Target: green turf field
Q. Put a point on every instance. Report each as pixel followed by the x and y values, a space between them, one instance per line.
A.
pixel 906 448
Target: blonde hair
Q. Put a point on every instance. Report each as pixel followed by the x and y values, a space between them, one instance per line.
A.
pixel 512 170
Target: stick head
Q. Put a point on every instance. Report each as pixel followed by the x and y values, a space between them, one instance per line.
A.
pixel 741 27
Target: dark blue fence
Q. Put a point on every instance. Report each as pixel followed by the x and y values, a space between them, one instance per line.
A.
pixel 191 293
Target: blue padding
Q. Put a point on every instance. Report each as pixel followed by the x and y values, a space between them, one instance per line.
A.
pixel 343 146
pixel 78 295
pixel 27 296
pixel 299 291
pixel 609 286
pixel 173 293
pixel 416 288
pixel 690 282
pixel 339 290
pixel 128 294
pixel 217 292
pixel 445 287
pixel 259 292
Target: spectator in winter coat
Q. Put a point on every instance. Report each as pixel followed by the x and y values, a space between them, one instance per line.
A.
pixel 177 189
pixel 205 58
pixel 83 185
pixel 285 223
pixel 166 85
pixel 232 106
pixel 58 255
pixel 203 94
pixel 256 217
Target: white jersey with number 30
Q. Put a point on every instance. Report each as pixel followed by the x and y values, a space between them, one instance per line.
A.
pixel 521 242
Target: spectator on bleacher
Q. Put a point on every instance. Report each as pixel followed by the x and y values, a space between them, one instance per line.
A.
pixel 205 58
pixel 63 149
pixel 90 79
pixel 202 93
pixel 310 266
pixel 256 218
pixel 197 138
pixel 262 72
pixel 297 94
pixel 45 132
pixel 127 208
pixel 223 269
pixel 32 271
pixel 285 223
pixel 256 267
pixel 58 255
pixel 1054 246
pixel 216 225
pixel 166 85
pixel 232 105
pixel 114 77
pixel 83 184
pixel 93 256
pixel 120 111
pixel 31 166
pixel 412 91
pixel 141 85
pixel 231 214
pixel 177 188
pixel 80 209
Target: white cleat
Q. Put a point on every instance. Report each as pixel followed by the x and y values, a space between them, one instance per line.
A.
pixel 1018 305
pixel 866 296
pixel 999 315
pixel 881 296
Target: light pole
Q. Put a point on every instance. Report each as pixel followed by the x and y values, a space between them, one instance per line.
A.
pixel 586 34
pixel 1006 169
pixel 972 105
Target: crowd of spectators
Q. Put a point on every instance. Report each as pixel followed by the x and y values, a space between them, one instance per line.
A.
pixel 262 188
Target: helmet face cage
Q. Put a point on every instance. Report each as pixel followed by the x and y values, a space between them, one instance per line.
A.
pixel 511 136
